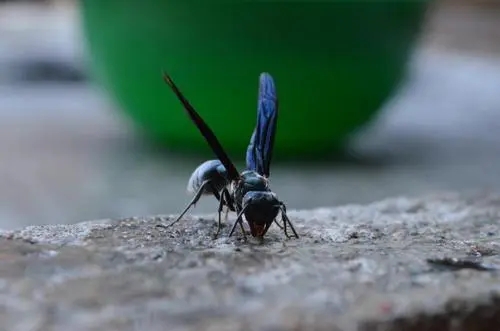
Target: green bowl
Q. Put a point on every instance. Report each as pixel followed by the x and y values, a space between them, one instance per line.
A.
pixel 334 64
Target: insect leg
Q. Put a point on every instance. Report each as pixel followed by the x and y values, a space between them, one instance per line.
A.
pixel 279 225
pixel 285 230
pixel 282 207
pixel 285 218
pixel 222 203
pixel 239 220
pixel 229 203
pixel 242 228
pixel 191 203
pixel 215 193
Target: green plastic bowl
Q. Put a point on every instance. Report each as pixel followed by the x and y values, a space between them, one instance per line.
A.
pixel 334 64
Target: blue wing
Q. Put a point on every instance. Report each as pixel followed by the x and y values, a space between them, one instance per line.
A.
pixel 260 149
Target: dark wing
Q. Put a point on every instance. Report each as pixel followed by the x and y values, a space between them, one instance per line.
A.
pixel 260 149
pixel 204 129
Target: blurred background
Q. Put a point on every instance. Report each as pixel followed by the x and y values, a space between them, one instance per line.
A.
pixel 68 153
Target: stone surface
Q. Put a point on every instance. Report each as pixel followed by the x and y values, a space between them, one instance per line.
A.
pixel 354 268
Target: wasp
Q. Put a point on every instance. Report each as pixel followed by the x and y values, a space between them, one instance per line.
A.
pixel 247 193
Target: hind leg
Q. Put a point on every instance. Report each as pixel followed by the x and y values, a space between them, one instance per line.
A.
pixel 222 203
pixel 193 202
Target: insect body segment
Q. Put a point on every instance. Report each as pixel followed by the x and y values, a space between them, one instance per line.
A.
pixel 210 177
pixel 211 170
pixel 248 193
pixel 255 200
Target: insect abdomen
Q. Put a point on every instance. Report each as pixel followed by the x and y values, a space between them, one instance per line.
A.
pixel 212 170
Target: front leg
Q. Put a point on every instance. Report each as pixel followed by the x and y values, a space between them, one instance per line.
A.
pixel 286 220
pixel 239 219
pixel 279 225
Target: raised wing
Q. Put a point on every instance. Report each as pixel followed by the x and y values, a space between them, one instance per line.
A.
pixel 260 149
pixel 204 129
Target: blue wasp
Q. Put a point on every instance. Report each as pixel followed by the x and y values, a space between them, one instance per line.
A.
pixel 246 193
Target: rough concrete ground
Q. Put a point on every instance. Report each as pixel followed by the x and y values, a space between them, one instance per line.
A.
pixel 354 268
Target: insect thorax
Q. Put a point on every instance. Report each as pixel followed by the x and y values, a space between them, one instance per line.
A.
pixel 249 181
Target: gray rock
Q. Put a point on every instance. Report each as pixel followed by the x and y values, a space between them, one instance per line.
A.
pixel 354 268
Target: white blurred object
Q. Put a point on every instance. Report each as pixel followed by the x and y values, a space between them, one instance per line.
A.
pixel 33 31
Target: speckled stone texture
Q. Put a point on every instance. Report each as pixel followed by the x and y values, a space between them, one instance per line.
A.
pixel 354 268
